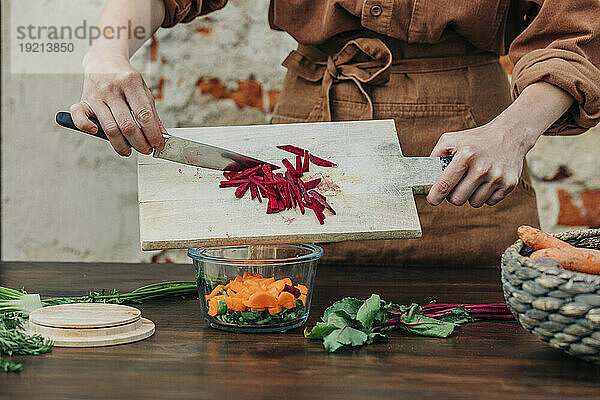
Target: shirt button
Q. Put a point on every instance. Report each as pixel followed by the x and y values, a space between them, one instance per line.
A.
pixel 376 10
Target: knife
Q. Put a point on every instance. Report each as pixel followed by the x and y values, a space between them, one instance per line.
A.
pixel 183 151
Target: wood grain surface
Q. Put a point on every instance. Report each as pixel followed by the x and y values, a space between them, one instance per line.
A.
pixel 187 360
pixel 371 188
pixel 85 315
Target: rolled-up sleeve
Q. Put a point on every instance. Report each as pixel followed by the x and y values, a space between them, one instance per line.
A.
pixel 561 46
pixel 177 11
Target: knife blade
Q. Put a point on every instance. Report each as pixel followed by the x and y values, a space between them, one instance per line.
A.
pixel 183 151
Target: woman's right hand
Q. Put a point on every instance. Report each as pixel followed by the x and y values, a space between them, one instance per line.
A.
pixel 114 92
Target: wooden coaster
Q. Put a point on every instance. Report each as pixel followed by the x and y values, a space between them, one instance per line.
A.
pixel 89 324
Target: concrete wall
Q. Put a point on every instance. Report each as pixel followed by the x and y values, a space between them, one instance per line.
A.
pixel 70 198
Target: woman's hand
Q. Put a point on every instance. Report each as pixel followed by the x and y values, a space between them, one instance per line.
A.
pixel 488 160
pixel 486 166
pixel 116 94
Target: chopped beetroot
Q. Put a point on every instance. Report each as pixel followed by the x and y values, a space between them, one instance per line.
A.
pixel 241 190
pixel 229 174
pixel 225 184
pixel 247 172
pixel 304 192
pixel 288 196
pixel 295 291
pixel 296 195
pixel 321 199
pixel 267 172
pixel 318 209
pixel 288 165
pixel 292 149
pixel 312 184
pixel 320 162
pixel 299 169
pixel 274 183
pixel 306 161
pixel 283 191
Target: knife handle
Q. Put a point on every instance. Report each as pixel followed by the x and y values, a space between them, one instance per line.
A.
pixel 445 161
pixel 65 119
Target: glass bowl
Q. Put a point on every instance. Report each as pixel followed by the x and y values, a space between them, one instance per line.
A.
pixel 256 288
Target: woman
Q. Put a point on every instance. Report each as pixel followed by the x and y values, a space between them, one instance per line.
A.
pixel 433 67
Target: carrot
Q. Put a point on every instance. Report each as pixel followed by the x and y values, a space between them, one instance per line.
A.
pixel 273 292
pixel 246 275
pixel 235 304
pixel 573 258
pixel 213 308
pixel 286 298
pixel 236 286
pixel 302 297
pixel 279 285
pixel 274 310
pixel 537 239
pixel 289 305
pixel 303 289
pixel 244 294
pixel 287 281
pixel 238 278
pixel 262 300
pixel 214 292
pixel 251 284
pixel 267 281
pixel 257 275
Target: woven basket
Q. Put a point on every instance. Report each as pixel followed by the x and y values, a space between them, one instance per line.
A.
pixel 560 307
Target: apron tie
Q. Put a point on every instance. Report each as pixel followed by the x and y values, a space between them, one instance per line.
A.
pixel 362 61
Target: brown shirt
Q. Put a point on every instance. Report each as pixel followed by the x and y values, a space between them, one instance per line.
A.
pixel 556 41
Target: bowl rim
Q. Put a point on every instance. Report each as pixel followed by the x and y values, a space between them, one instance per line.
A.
pixel 316 252
pixel 514 251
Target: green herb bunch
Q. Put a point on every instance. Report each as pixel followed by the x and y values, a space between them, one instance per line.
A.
pixel 355 322
pixel 13 341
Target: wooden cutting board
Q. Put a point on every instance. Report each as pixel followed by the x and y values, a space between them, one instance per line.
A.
pixel 89 324
pixel 371 188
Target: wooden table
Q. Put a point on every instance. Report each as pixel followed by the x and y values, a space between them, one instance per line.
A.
pixel 186 359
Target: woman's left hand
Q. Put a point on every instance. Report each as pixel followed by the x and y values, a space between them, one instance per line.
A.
pixel 488 160
pixel 486 165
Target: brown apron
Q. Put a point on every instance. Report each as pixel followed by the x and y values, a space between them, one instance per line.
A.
pixel 427 90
